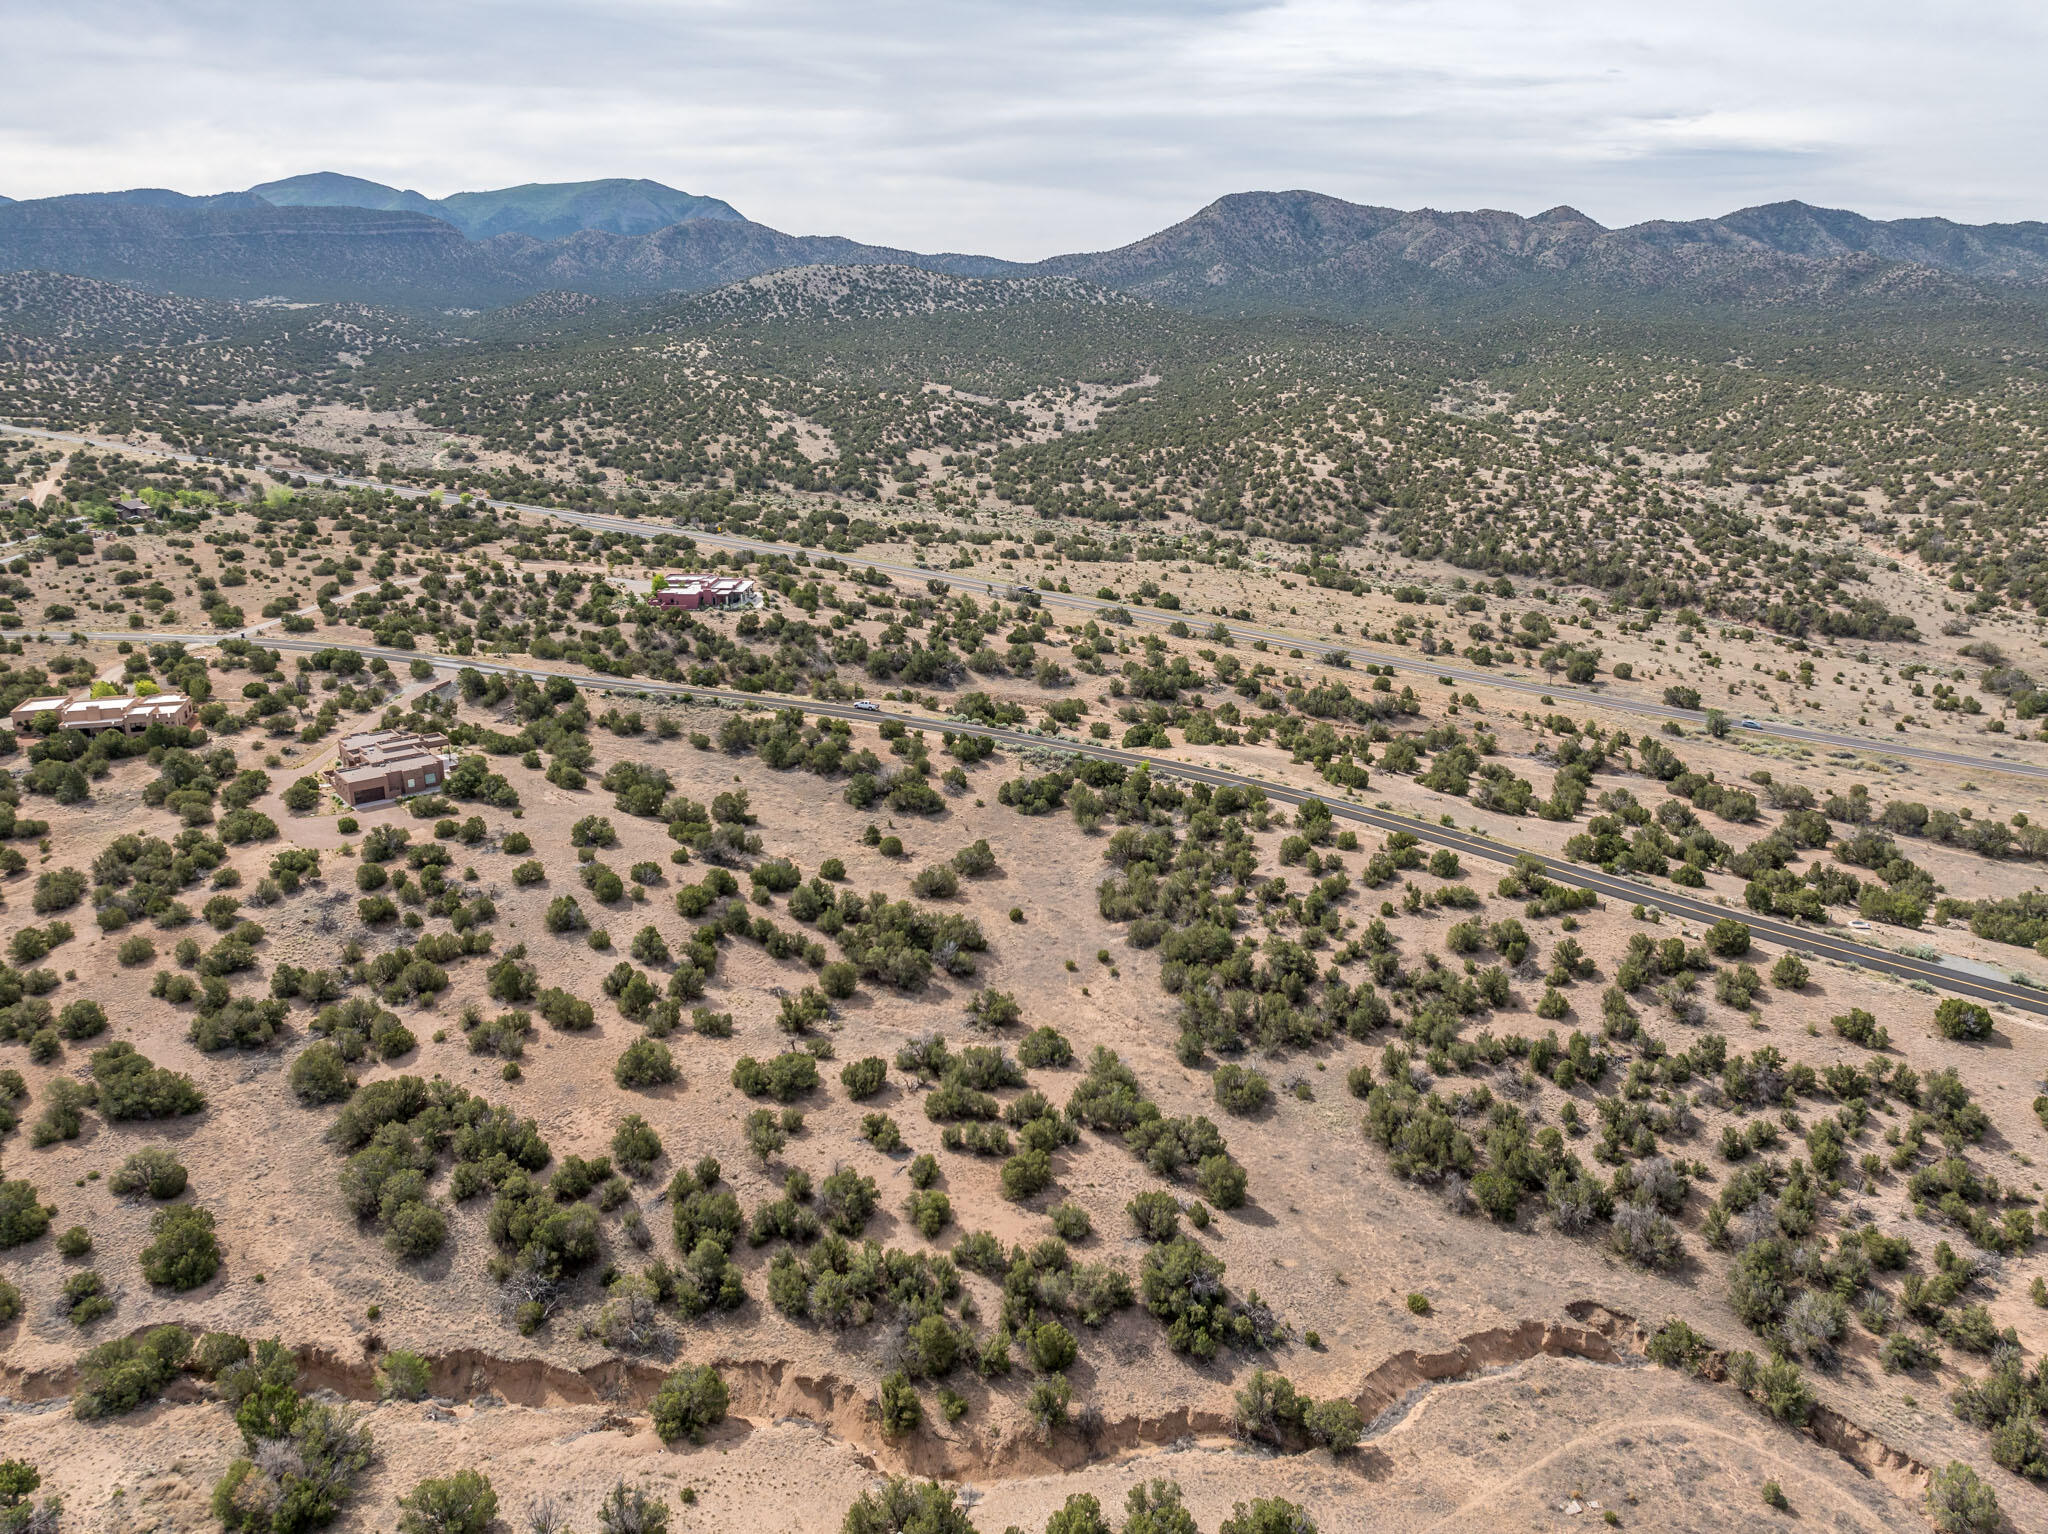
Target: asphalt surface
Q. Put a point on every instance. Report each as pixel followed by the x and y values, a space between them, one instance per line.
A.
pixel 1156 618
pixel 1768 931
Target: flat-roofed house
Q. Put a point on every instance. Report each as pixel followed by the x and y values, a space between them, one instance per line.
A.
pixel 390 764
pixel 91 715
pixel 27 712
pixel 704 592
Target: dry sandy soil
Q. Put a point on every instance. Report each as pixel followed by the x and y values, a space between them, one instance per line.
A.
pixel 1521 1392
pixel 1331 1239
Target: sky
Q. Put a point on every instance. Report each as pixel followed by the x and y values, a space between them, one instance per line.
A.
pixel 1028 129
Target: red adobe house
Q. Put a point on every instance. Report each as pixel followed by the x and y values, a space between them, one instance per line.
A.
pixel 383 765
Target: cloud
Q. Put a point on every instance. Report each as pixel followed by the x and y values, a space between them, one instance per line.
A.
pixel 1022 130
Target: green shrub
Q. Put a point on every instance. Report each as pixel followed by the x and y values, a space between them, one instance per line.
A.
pixel 1956 1018
pixel 1050 1347
pixel 64 1105
pixel 1335 1424
pixel 1156 1215
pixel 1676 1345
pixel 218 1351
pixel 1047 1402
pixel 905 1506
pixel 23 1216
pixel 1240 1091
pixel 930 1211
pixel 1268 1515
pixel 403 1375
pixel 319 1075
pixel 864 1078
pixel 152 1170
pixel 785 1077
pixel 846 1201
pixel 898 1405
pixel 120 1375
pixel 635 1145
pixel 85 1298
pixel 1070 1222
pixel 462 1503
pixel 1026 1174
pixel 1728 938
pixel 1222 1181
pixel 58 889
pixel 130 1086
pixel 689 1402
pixel 1044 1046
pixel 645 1063
pixel 183 1252
pixel 1958 1502
pixel 413 1227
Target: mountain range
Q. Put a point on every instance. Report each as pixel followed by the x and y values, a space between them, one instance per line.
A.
pixel 327 236
pixel 545 211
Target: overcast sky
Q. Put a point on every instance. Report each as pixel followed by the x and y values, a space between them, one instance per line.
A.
pixel 1027 129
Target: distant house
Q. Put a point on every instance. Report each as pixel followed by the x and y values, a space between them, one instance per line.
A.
pixel 380 765
pixel 134 510
pixel 91 715
pixel 701 592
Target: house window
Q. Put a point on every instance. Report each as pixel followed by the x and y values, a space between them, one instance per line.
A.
pixel 430 780
pixel 410 783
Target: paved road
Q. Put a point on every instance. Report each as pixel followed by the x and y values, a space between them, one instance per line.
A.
pixel 1160 619
pixel 1771 931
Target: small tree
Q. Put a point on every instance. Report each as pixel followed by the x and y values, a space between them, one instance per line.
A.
pixel 1958 1501
pixel 184 1253
pixel 152 1170
pixel 462 1503
pixel 898 1405
pixel 1956 1018
pixel 908 1507
pixel 645 1063
pixel 635 1145
pixel 1268 1515
pixel 1081 1515
pixel 1728 938
pixel 689 1402
pixel 403 1375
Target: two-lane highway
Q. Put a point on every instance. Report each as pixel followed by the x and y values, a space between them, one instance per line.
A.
pixel 1771 931
pixel 1158 618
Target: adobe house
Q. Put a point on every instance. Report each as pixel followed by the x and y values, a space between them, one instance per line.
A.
pixel 381 765
pixel 91 715
pixel 693 593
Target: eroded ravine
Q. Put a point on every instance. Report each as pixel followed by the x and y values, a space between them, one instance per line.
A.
pixel 776 1391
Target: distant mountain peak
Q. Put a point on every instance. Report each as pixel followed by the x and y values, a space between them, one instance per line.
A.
pixel 550 210
pixel 539 210
pixel 1565 213
pixel 332 189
